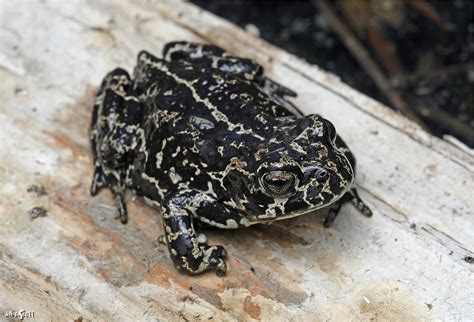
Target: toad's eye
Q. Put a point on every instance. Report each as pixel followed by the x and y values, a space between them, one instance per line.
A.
pixel 279 183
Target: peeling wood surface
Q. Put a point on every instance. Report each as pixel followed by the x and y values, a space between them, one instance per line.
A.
pixel 409 262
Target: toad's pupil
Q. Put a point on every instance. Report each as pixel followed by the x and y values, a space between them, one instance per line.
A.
pixel 279 182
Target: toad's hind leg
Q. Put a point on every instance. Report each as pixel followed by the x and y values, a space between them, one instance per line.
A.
pixel 114 135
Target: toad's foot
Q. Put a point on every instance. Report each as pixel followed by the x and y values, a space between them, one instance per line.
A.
pixel 189 252
pixel 350 196
pixel 359 203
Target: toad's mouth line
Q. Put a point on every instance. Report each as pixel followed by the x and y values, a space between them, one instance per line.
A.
pixel 293 214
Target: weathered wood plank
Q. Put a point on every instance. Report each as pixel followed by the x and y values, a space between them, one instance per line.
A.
pixel 405 263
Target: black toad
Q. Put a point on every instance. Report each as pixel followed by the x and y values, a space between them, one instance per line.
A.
pixel 204 135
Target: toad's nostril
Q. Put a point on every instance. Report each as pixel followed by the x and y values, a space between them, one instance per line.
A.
pixel 321 174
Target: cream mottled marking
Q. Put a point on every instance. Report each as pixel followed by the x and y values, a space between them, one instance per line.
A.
pixel 218 115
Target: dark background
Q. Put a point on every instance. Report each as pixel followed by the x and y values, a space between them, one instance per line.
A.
pixel 432 44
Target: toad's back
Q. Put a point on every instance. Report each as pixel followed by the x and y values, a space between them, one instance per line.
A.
pixel 200 116
pixel 199 90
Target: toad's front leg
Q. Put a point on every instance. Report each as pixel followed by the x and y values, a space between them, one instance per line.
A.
pixel 187 253
pixel 351 195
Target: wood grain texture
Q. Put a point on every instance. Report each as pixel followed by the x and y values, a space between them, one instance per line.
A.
pixel 409 262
